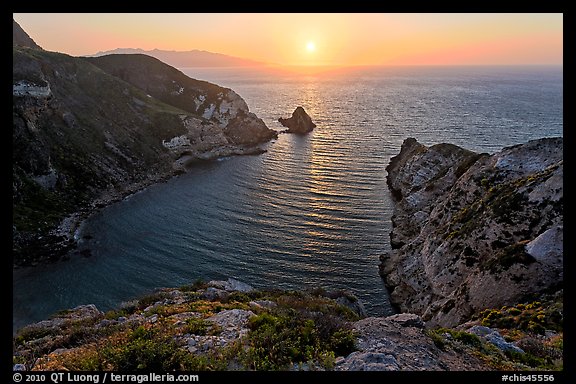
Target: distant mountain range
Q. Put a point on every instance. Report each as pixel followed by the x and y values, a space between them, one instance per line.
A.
pixel 183 59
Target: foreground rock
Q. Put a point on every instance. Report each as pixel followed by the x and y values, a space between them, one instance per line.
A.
pixel 299 122
pixel 230 325
pixel 474 231
pixel 400 343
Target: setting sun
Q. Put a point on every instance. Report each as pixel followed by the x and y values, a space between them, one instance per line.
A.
pixel 310 46
pixel 339 39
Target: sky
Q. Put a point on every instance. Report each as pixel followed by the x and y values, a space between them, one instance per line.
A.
pixel 318 39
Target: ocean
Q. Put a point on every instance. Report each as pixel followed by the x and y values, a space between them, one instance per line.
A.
pixel 313 211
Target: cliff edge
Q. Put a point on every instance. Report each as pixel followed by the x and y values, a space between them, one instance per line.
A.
pixel 229 325
pixel 87 132
pixel 474 231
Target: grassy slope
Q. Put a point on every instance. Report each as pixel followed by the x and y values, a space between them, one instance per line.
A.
pixel 71 132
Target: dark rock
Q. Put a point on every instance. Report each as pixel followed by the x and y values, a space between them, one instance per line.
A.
pixel 407 320
pixel 231 285
pixel 21 38
pixel 299 122
pixel 352 302
pixel 213 294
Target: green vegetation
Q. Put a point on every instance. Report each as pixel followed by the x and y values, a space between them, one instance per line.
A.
pixel 32 333
pixel 508 256
pixel 157 333
pixel 438 337
pixel 534 317
pixel 289 336
pixel 506 204
pixel 524 324
pixel 142 349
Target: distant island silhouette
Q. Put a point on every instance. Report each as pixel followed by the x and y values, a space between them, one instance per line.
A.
pixel 193 58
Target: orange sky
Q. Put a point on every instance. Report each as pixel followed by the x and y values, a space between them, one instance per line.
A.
pixel 339 38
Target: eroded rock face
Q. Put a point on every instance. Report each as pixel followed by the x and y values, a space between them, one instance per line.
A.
pixel 473 231
pixel 299 122
pixel 399 343
pixel 217 116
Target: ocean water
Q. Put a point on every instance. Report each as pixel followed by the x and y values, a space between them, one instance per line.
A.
pixel 313 211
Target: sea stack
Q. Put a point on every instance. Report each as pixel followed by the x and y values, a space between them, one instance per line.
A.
pixel 300 122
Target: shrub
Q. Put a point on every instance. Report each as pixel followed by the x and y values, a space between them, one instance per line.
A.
pixel 195 286
pixel 533 317
pixel 201 327
pixel 153 298
pixel 32 333
pixel 285 337
pixel 144 349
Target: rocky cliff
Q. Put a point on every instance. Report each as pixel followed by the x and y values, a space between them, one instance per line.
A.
pixel 232 122
pixel 229 325
pixel 474 231
pixel 88 131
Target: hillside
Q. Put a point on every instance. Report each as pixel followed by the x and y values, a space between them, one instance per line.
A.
pixel 230 326
pixel 21 38
pixel 220 105
pixel 183 59
pixel 83 137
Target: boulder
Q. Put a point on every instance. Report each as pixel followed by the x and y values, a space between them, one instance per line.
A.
pixel 231 285
pixel 407 320
pixel 350 301
pixel 494 337
pixel 299 122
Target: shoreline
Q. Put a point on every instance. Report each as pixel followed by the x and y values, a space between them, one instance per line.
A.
pixel 65 234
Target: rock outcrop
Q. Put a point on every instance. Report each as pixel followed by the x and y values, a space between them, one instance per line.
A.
pixel 474 231
pixel 230 325
pixel 87 132
pixel 400 343
pixel 222 117
pixel 299 122
pixel 191 326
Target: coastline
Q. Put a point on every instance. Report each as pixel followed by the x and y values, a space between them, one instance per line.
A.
pixel 66 234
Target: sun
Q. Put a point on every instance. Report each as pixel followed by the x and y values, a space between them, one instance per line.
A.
pixel 310 46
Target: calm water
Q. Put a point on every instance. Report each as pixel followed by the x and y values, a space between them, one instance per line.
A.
pixel 314 211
